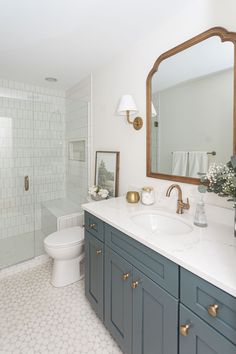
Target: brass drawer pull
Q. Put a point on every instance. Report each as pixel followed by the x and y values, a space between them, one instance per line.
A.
pixel 183 329
pixel 213 310
pixel 125 276
pixel 98 252
pixel 134 284
pixel 92 226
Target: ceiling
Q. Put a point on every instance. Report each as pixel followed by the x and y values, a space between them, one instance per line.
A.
pixel 68 39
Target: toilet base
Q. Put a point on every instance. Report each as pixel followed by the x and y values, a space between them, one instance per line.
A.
pixel 65 272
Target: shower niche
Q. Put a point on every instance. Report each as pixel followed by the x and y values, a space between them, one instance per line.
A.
pixel 77 150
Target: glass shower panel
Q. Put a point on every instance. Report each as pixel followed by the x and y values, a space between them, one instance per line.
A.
pixel 16 172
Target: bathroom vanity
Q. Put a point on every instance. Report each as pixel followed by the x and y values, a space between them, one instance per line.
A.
pixel 157 292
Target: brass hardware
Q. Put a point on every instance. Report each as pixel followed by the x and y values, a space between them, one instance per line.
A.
pixel 183 329
pixel 125 276
pixel 137 123
pixel 98 252
pixel 213 310
pixel 26 183
pixel 134 284
pixel 180 204
pixel 132 197
pixel 92 226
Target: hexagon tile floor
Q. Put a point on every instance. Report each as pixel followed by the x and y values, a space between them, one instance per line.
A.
pixel 35 317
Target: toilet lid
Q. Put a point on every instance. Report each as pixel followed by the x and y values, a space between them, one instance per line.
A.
pixel 65 237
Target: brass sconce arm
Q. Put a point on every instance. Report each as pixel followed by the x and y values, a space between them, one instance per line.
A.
pixel 126 106
pixel 137 122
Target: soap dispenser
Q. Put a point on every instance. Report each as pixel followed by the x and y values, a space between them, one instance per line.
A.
pixel 200 218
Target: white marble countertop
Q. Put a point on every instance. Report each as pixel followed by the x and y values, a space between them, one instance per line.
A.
pixel 207 252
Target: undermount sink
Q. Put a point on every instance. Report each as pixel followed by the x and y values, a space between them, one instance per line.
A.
pixel 157 222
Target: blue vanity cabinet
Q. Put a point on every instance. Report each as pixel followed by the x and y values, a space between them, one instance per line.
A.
pixel 94 276
pixel 158 268
pixel 141 315
pixel 210 303
pixel 118 299
pixel 155 317
pixel 200 338
pixel 149 304
pixel 94 226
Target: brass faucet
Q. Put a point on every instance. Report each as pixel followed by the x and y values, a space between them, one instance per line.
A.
pixel 180 204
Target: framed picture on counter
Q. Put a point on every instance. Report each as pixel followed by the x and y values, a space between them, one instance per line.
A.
pixel 107 171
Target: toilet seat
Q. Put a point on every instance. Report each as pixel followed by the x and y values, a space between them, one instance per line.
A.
pixel 66 237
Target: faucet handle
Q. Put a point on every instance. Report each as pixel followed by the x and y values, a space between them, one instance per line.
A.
pixel 186 205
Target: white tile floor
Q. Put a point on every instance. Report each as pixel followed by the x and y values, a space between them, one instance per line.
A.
pixel 38 318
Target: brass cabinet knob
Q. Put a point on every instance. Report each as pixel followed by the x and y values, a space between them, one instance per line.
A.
pixel 125 276
pixel 213 310
pixel 92 226
pixel 134 284
pixel 183 329
pixel 98 252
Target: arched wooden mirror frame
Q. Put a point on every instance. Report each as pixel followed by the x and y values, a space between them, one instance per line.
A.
pixel 215 31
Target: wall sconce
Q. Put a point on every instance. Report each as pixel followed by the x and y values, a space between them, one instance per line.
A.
pixel 126 107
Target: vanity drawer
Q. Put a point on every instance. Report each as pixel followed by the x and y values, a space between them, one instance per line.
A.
pixel 158 268
pixel 94 225
pixel 203 298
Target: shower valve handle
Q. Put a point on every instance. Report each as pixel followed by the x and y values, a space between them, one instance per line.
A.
pixel 26 183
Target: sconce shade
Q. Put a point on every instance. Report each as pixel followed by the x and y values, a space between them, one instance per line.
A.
pixel 154 112
pixel 127 104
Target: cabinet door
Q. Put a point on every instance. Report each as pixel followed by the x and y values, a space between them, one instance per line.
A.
pixel 118 295
pixel 155 318
pixel 94 272
pixel 201 338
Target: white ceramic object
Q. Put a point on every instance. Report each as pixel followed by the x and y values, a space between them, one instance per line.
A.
pixel 156 222
pixel 66 247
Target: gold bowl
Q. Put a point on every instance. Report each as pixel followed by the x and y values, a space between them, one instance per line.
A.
pixel 132 197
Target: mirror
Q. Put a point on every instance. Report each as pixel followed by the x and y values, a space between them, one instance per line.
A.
pixel 191 107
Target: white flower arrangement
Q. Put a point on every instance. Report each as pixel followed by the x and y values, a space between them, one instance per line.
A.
pixel 98 193
pixel 221 179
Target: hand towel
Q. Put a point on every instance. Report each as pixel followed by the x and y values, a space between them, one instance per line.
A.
pixel 179 163
pixel 198 163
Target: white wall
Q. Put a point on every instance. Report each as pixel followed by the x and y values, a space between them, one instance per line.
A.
pixel 127 74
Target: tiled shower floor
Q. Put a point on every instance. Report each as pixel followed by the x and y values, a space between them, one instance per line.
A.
pixel 38 318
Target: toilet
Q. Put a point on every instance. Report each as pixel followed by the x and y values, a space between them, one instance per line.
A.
pixel 66 247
